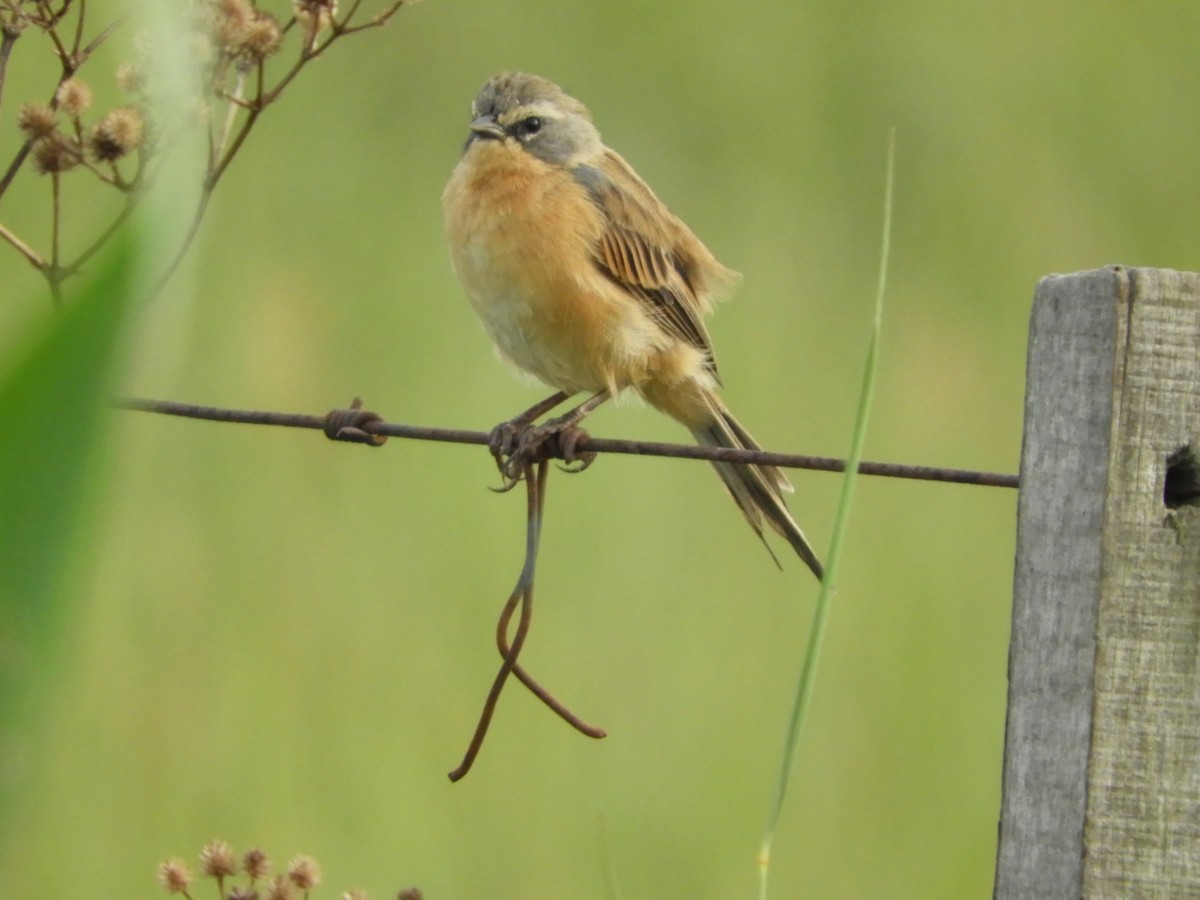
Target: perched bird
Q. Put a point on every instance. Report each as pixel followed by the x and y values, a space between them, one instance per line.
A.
pixel 585 279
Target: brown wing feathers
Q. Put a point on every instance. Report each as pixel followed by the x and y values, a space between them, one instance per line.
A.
pixel 631 253
pixel 623 258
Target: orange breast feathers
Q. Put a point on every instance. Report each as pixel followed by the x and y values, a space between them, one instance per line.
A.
pixel 522 237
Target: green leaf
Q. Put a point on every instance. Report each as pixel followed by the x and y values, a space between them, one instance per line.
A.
pixel 816 635
pixel 54 416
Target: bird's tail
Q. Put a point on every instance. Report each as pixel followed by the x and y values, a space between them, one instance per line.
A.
pixel 757 490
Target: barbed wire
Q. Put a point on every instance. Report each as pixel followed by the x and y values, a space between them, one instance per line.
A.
pixel 368 426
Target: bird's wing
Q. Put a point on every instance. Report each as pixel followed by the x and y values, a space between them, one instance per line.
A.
pixel 646 250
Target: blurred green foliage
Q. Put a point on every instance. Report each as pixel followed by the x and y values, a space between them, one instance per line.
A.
pixel 282 641
pixel 56 414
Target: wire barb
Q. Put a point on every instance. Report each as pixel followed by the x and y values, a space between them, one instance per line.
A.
pixel 350 424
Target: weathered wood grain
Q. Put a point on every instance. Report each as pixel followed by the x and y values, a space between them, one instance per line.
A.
pixel 1102 750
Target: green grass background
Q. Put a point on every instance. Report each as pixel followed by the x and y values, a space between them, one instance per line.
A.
pixel 281 641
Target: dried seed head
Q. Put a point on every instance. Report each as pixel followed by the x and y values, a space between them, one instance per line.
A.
pixel 74 96
pixel 36 120
pixel 217 860
pixel 246 34
pixel 55 154
pixel 411 893
pixel 314 15
pixel 279 889
pixel 309 9
pixel 304 872
pixel 241 892
pixel 117 134
pixel 255 864
pixel 232 19
pixel 236 12
pixel 174 876
pixel 234 28
pixel 131 79
pixel 261 37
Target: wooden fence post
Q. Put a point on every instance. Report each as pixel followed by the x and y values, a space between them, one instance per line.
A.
pixel 1101 795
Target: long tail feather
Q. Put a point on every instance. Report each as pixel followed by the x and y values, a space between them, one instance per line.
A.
pixel 757 490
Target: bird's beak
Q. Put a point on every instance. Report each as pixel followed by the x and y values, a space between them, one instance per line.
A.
pixel 485 127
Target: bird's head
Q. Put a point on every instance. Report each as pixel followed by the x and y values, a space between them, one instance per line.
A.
pixel 536 115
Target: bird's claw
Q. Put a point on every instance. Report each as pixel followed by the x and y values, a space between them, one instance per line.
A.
pixel 575 460
pixel 515 445
pixel 504 442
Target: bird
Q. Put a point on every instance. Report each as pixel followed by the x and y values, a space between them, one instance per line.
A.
pixel 584 279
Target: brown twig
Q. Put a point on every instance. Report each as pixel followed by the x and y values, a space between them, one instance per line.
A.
pixel 60 49
pixel 351 424
pixel 15 166
pixel 23 248
pixel 8 37
pixel 98 243
pixel 77 44
pixel 338 27
pixel 523 676
pixel 72 52
pixel 590 444
pixel 222 151
pixel 535 485
pixel 53 271
pixel 104 34
pixel 379 21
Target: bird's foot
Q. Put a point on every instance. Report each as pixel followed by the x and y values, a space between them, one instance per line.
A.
pixel 504 439
pixel 517 444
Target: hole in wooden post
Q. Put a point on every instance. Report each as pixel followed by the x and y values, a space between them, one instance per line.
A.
pixel 1182 484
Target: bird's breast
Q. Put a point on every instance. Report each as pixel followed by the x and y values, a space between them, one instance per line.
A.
pixel 522 236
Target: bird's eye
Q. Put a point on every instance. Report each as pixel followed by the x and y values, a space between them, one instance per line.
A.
pixel 530 126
